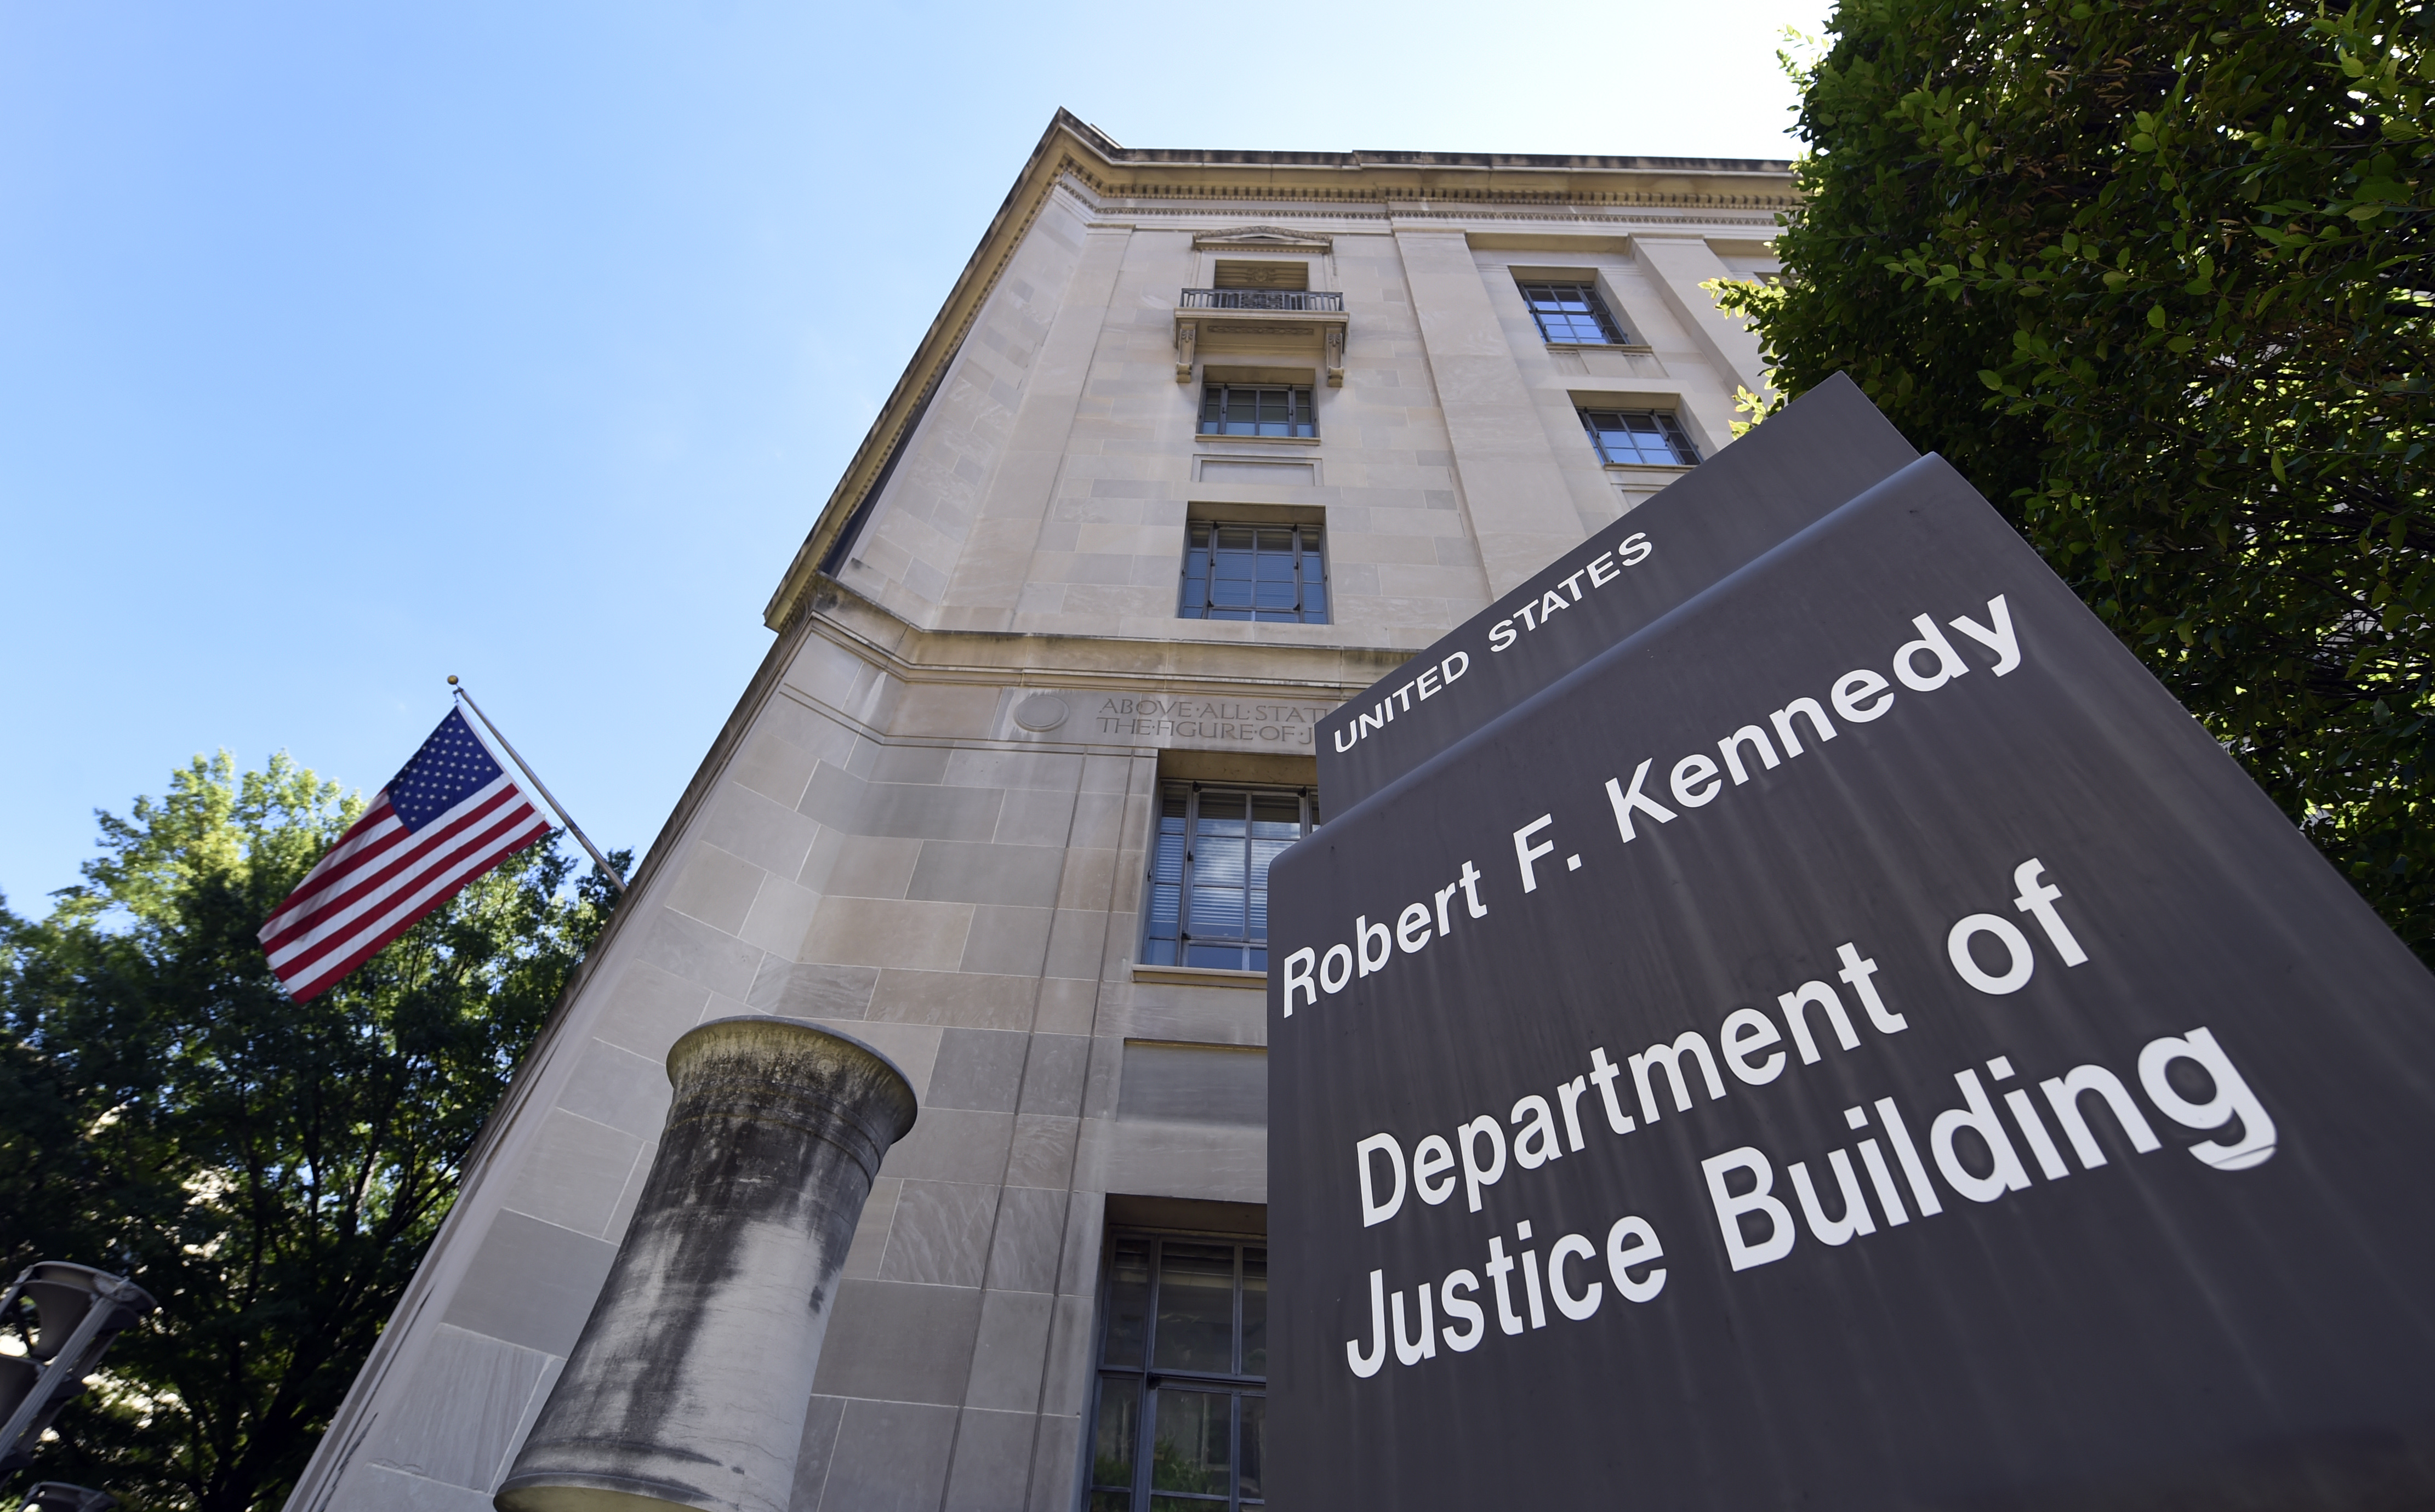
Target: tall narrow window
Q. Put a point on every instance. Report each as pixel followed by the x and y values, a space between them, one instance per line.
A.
pixel 1573 314
pixel 1277 573
pixel 1183 1363
pixel 1208 897
pixel 1245 409
pixel 1639 438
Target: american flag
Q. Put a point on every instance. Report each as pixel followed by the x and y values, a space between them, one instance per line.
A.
pixel 447 817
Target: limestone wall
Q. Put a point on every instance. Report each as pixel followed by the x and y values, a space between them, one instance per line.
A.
pixel 879 843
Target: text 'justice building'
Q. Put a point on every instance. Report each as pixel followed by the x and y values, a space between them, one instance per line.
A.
pixel 1200 445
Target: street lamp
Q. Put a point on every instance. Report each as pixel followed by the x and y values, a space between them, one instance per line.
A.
pixel 58 1496
pixel 77 1312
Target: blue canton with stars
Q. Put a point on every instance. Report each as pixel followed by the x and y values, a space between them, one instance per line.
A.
pixel 451 766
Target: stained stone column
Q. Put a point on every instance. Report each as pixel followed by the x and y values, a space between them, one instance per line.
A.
pixel 689 1384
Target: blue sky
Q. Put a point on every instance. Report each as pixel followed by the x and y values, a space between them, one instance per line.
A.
pixel 346 347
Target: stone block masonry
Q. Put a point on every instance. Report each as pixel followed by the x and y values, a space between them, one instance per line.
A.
pixel 927 826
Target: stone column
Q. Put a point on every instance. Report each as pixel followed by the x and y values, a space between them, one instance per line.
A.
pixel 1522 511
pixel 690 1380
pixel 1678 265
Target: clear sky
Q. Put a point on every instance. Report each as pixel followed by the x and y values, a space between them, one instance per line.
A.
pixel 343 347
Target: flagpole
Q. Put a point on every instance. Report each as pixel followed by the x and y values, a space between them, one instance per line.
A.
pixel 571 827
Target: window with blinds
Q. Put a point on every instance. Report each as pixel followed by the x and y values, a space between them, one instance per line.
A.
pixel 1257 409
pixel 1277 573
pixel 1208 897
pixel 1262 274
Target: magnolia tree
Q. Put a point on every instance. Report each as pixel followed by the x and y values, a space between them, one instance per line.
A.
pixel 269 1170
pixel 2157 277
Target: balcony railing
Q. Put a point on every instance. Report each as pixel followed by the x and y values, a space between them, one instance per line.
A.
pixel 1303 299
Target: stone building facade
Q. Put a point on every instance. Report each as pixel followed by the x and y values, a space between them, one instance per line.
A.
pixel 1200 445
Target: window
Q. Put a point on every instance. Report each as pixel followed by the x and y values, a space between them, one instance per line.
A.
pixel 1262 275
pixel 1183 1357
pixel 1241 409
pixel 1273 574
pixel 1209 872
pixel 1639 438
pixel 1572 313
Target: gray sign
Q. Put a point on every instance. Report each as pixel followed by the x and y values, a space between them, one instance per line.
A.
pixel 1851 1041
pixel 1819 451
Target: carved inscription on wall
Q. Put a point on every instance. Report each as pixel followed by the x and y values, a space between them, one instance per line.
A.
pixel 1148 716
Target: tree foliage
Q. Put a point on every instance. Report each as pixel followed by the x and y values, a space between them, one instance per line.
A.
pixel 269 1170
pixel 2155 275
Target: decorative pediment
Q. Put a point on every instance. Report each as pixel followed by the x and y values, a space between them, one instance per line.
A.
pixel 1261 239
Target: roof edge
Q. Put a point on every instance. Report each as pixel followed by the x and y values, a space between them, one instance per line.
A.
pixel 929 359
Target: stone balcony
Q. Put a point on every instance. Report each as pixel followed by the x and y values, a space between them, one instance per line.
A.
pixel 1278 322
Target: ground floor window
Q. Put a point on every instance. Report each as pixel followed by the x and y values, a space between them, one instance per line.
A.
pixel 1180 1419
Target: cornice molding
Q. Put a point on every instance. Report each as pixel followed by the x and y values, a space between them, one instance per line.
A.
pixel 1742 186
pixel 1349 222
pixel 1032 190
pixel 1261 239
pixel 911 653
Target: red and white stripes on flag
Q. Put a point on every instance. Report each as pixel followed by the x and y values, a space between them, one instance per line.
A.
pixel 448 817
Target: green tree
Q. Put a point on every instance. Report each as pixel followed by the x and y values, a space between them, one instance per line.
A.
pixel 269 1170
pixel 2155 275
